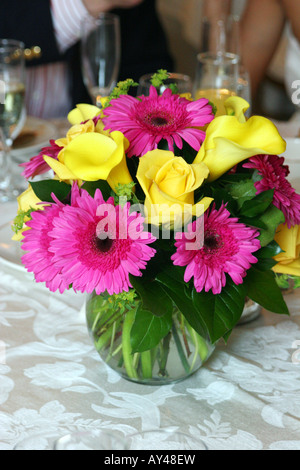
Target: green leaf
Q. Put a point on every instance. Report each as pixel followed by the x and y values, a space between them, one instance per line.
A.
pixel 266 255
pixel 163 145
pixel 242 191
pixel 186 152
pixel 148 330
pixel 262 288
pixel 230 178
pixel 221 312
pixel 220 196
pixel 92 186
pixel 269 251
pixel 265 264
pixel 253 222
pixel 258 205
pixel 175 287
pixel 271 218
pixel 44 189
pixel 153 297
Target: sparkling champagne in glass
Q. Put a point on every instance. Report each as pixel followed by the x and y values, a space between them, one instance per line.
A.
pixel 12 113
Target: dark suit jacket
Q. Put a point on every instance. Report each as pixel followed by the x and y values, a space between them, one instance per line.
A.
pixel 144 45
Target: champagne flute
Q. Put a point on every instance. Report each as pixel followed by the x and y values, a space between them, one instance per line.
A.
pixel 101 54
pixel 12 113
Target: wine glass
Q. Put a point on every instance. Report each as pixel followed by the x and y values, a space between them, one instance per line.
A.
pixel 101 54
pixel 12 113
pixel 183 84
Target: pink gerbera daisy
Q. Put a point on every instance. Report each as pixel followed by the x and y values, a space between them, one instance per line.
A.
pixel 38 259
pixel 274 173
pixel 227 248
pixel 97 245
pixel 146 120
pixel 37 165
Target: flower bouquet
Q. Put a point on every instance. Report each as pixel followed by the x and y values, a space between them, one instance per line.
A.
pixel 168 217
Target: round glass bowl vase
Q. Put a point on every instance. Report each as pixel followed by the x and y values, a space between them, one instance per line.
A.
pixel 179 354
pixel 251 312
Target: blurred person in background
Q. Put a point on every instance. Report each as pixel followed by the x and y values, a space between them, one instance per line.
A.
pixel 263 24
pixel 54 81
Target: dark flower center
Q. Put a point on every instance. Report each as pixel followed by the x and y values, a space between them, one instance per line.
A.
pixel 104 243
pixel 159 121
pixel 212 241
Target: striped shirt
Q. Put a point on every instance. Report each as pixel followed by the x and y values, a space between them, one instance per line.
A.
pixel 47 91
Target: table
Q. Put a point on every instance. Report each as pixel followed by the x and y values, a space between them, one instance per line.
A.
pixel 247 396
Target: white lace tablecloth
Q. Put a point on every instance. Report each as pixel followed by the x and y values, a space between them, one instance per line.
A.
pixel 246 397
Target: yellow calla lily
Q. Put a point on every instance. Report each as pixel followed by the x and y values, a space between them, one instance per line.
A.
pixel 75 131
pixel 94 156
pixel 236 106
pixel 82 113
pixel 230 140
pixel 62 172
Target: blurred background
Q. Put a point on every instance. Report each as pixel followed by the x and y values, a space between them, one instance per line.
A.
pixel 181 21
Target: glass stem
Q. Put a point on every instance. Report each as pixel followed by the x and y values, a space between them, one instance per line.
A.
pixel 5 177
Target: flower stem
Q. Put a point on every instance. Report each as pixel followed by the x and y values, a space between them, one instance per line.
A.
pixel 164 354
pixel 146 361
pixel 200 344
pixel 180 350
pixel 127 350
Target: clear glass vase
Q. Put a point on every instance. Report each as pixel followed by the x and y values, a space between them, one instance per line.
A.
pixel 178 355
pixel 251 312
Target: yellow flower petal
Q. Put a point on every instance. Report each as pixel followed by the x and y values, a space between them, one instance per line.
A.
pixel 89 155
pixel 229 141
pixel 292 269
pixel 236 106
pixel 62 172
pixel 169 184
pixel 94 156
pixel 28 200
pixel 289 241
pixel 119 173
pixel 82 113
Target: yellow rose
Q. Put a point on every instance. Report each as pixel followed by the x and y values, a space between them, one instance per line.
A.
pixel 289 242
pixel 26 201
pixel 169 184
pixel 232 139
